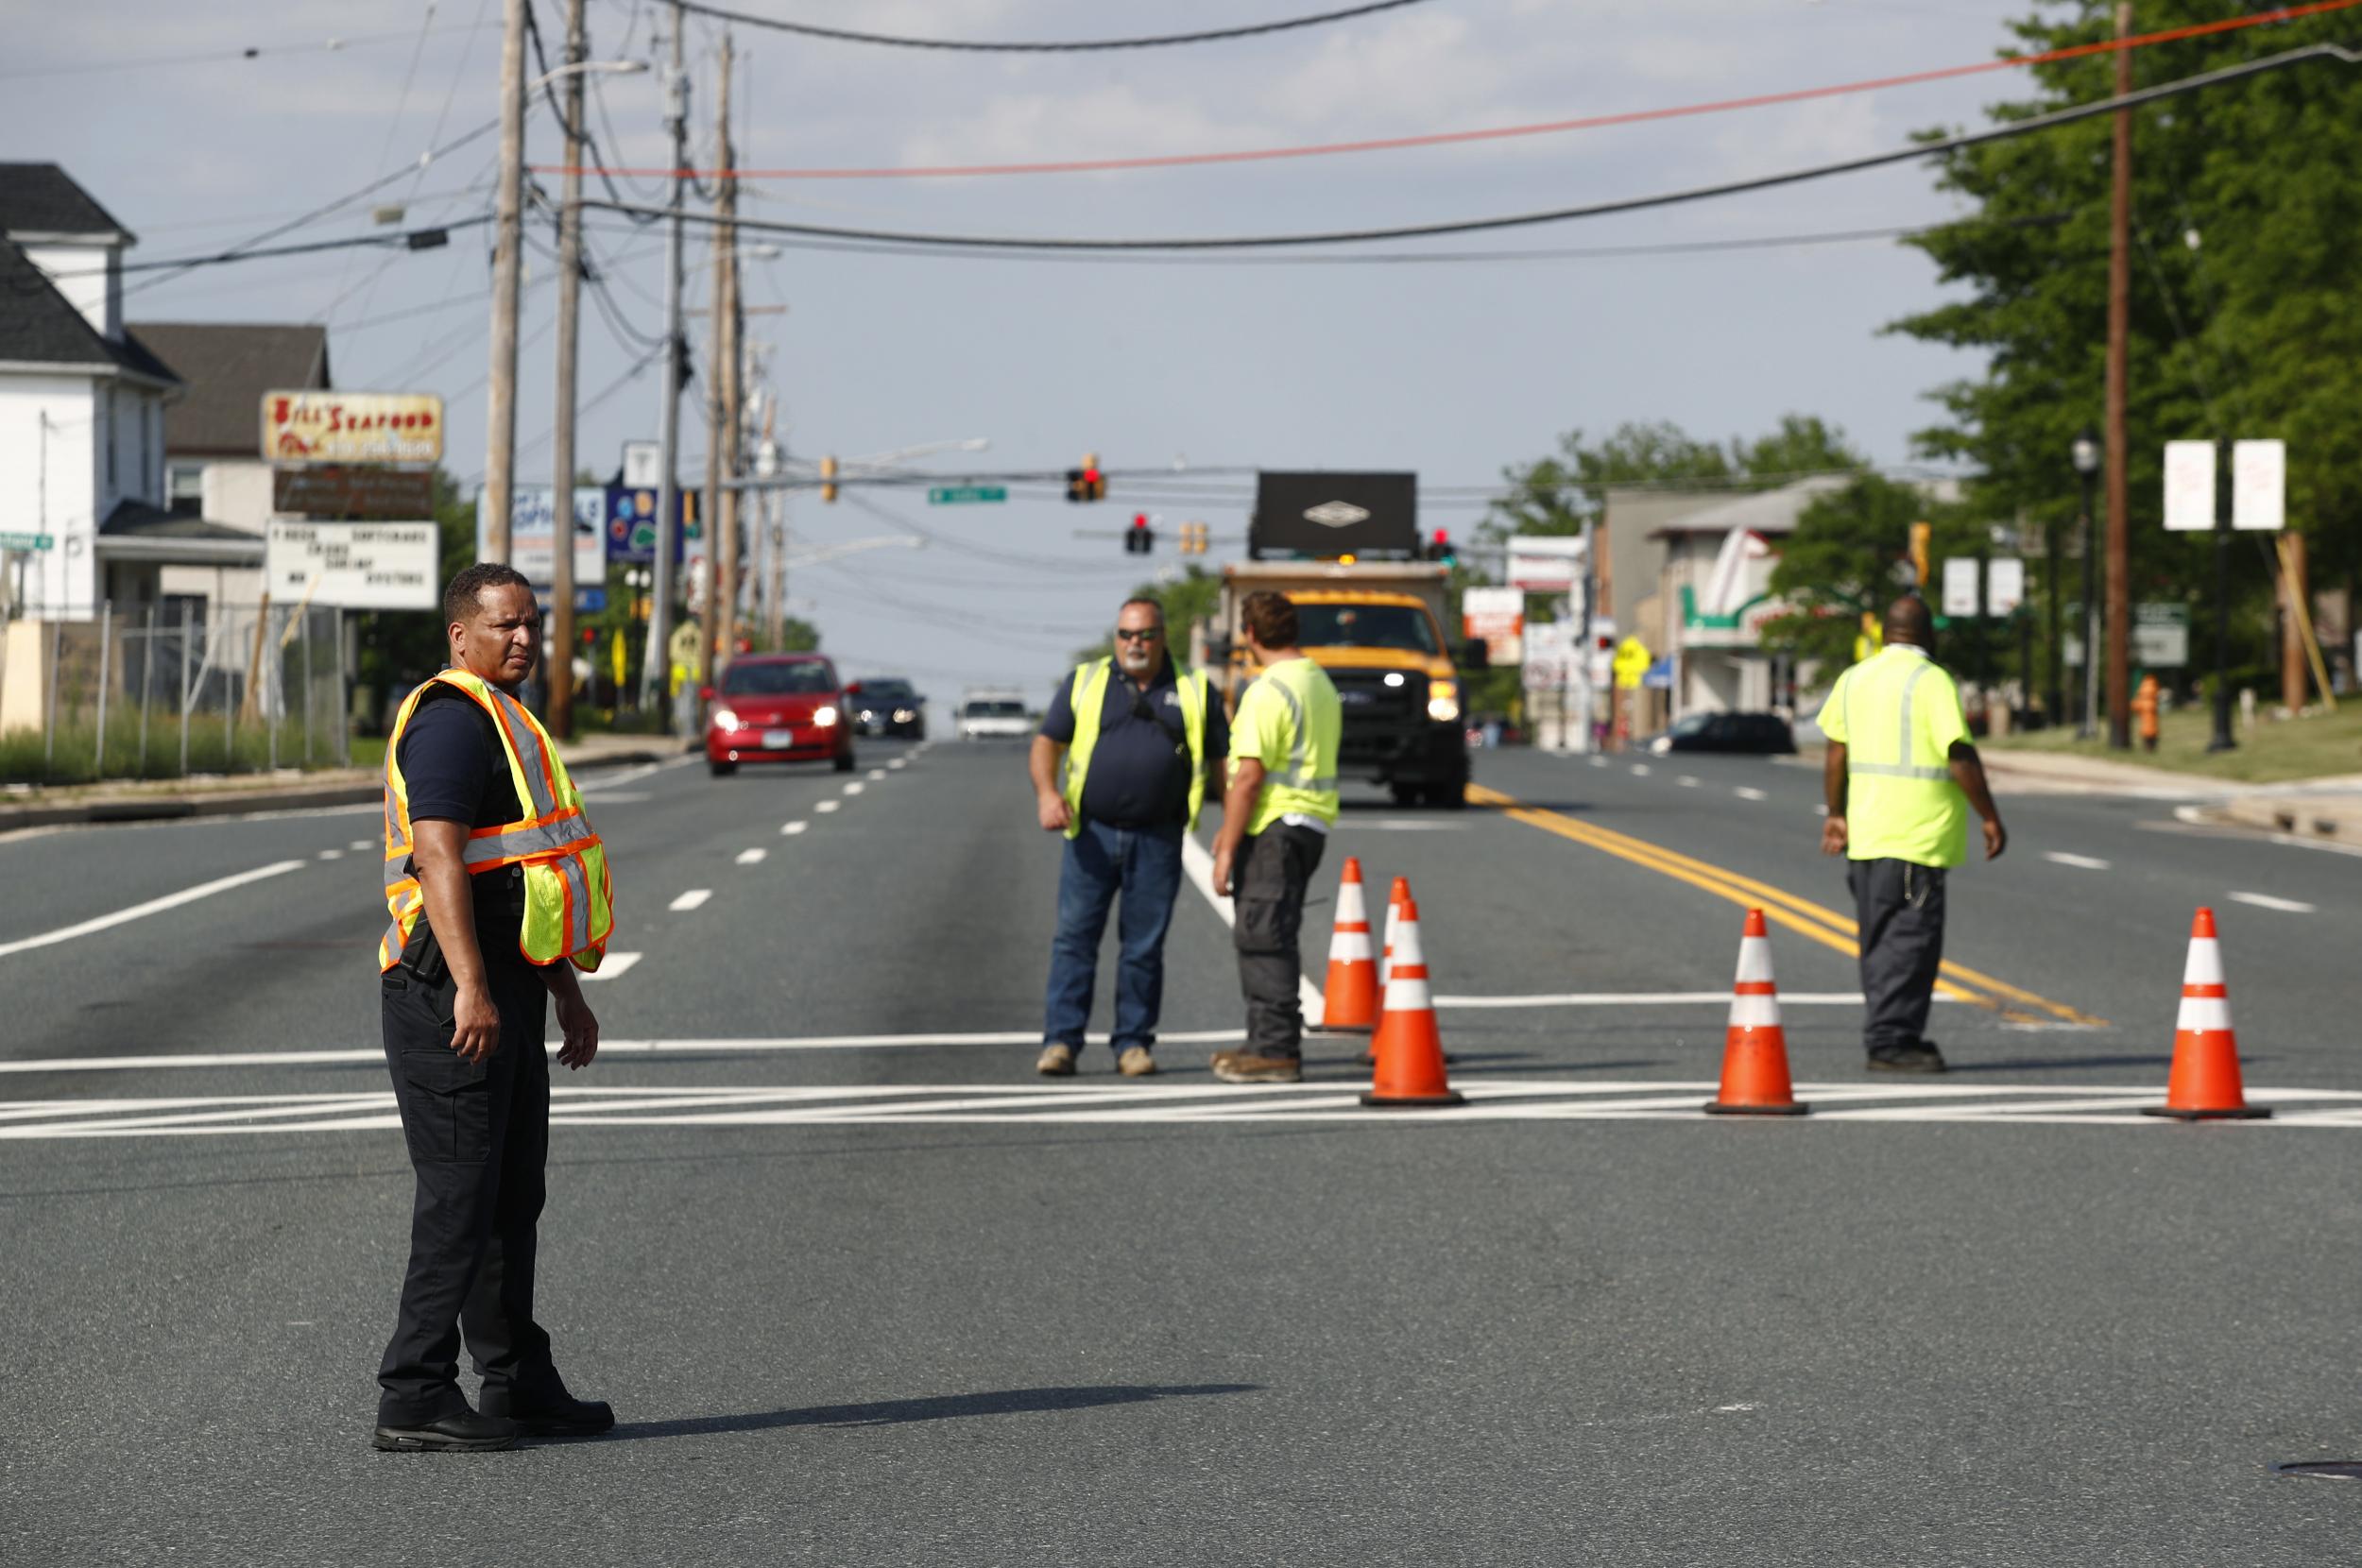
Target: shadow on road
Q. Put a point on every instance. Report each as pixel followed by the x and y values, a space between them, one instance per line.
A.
pixel 2024 1064
pixel 893 1412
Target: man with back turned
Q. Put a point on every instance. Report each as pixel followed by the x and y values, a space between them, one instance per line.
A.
pixel 498 891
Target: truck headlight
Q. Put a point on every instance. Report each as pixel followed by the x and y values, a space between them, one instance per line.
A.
pixel 1442 701
pixel 725 719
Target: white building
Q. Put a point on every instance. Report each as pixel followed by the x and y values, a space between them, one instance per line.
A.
pixel 1714 597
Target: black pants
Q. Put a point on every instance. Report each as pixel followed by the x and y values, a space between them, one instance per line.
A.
pixel 479 1134
pixel 1899 908
pixel 1274 869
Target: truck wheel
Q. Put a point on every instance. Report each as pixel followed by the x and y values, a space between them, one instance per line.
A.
pixel 1405 794
pixel 1452 797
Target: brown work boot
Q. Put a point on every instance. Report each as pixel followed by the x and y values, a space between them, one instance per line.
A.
pixel 1057 1062
pixel 1238 1066
pixel 1135 1062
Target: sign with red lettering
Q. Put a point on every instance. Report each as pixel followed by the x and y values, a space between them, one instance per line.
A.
pixel 352 427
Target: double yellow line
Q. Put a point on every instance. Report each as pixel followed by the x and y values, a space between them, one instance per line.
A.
pixel 1817 922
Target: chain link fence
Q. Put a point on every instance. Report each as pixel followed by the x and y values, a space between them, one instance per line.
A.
pixel 185 687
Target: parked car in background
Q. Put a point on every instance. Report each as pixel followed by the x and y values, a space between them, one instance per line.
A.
pixel 777 708
pixel 1763 734
pixel 986 715
pixel 887 704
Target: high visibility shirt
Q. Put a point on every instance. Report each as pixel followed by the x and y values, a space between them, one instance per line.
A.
pixel 1086 698
pixel 1290 721
pixel 1897 714
pixel 569 900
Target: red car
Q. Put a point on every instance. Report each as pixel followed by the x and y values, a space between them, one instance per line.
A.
pixel 777 708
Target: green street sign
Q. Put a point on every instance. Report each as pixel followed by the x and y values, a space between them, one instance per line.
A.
pixel 955 495
pixel 28 541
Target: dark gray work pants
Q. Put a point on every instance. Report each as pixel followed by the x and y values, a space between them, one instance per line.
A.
pixel 1274 869
pixel 1899 908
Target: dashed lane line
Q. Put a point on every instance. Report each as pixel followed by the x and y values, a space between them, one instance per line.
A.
pixel 153 905
pixel 358 844
pixel 613 966
pixel 876 773
pixel 826 806
pixel 1748 792
pixel 855 787
pixel 1688 781
pixel 2266 901
pixel 1640 770
pixel 789 830
pixel 2082 862
pixel 752 856
pixel 690 900
pixel 331 854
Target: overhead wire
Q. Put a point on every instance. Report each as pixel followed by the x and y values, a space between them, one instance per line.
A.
pixel 1932 149
pixel 213 57
pixel 393 126
pixel 1094 45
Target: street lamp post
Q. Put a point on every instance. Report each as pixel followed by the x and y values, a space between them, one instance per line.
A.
pixel 2086 456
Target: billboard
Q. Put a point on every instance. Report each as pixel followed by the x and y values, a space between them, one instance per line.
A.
pixel 1321 513
pixel 1545 563
pixel 360 566
pixel 631 522
pixel 334 491
pixel 352 427
pixel 532 527
pixel 1494 617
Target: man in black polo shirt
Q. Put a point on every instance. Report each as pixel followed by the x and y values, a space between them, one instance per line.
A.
pixel 1137 731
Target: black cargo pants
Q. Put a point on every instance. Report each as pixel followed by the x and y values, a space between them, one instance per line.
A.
pixel 1268 885
pixel 1898 906
pixel 478 1134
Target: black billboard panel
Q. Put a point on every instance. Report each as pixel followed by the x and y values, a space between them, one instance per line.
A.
pixel 1325 514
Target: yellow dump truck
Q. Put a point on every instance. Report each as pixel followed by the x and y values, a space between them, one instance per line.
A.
pixel 1377 626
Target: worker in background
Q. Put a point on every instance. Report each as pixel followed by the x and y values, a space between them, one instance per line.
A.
pixel 1901 778
pixel 2144 708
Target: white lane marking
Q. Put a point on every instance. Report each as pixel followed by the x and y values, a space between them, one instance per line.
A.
pixel 898 763
pixel 628 775
pixel 1199 863
pixel 1822 810
pixel 855 787
pixel 154 906
pixel 359 845
pixel 1657 999
pixel 876 773
pixel 1687 781
pixel 625 797
pixel 2082 862
pixel 1351 826
pixel 1640 770
pixel 2317 843
pixel 1596 761
pixel 789 830
pixel 826 804
pixel 1031 1104
pixel 611 966
pixel 690 900
pixel 2266 901
pixel 752 856
pixel 1748 792
pixel 332 855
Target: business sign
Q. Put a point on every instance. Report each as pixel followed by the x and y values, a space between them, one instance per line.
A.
pixel 1321 514
pixel 2161 636
pixel 1494 617
pixel 1551 650
pixel 341 492
pixel 352 427
pixel 1545 563
pixel 2004 584
pixel 2189 486
pixel 643 465
pixel 631 522
pixel 532 532
pixel 1632 663
pixel 358 566
pixel 2259 485
pixel 1960 586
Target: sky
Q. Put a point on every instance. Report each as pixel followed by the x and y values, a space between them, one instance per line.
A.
pixel 1456 369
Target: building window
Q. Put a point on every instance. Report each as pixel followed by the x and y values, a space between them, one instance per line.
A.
pixel 185 486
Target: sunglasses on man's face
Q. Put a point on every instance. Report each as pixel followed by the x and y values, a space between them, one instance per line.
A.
pixel 1145 634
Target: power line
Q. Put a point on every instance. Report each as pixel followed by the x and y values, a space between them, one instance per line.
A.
pixel 843 35
pixel 210 57
pixel 1496 134
pixel 1564 214
pixel 406 238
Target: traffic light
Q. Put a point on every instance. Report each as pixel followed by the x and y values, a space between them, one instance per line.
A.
pixel 1193 538
pixel 1920 535
pixel 1087 482
pixel 828 479
pixel 1139 539
pixel 1442 548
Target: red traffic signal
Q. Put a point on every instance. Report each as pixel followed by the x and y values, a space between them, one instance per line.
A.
pixel 1139 539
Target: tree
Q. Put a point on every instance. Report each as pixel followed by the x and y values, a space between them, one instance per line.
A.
pixel 1850 555
pixel 2246 199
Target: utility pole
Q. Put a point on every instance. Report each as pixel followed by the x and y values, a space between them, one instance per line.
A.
pixel 728 542
pixel 721 405
pixel 559 658
pixel 656 662
pixel 2119 449
pixel 500 434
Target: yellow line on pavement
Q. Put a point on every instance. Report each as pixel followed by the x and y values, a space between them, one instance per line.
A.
pixel 1827 927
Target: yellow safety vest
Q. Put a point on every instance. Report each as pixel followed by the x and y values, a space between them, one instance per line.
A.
pixel 1298 745
pixel 1897 714
pixel 569 899
pixel 1088 694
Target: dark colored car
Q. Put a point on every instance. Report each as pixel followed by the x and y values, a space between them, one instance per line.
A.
pixel 777 708
pixel 887 704
pixel 1763 734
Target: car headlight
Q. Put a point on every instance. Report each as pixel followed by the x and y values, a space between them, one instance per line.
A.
pixel 904 715
pixel 1442 701
pixel 824 717
pixel 725 719
pixel 1662 745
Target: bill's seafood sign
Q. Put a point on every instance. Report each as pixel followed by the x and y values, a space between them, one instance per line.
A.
pixel 352 427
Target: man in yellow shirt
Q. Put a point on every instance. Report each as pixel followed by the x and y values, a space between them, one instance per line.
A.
pixel 1901 778
pixel 1276 817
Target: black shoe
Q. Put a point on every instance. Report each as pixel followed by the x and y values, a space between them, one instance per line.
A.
pixel 563 1416
pixel 1923 1057
pixel 465 1432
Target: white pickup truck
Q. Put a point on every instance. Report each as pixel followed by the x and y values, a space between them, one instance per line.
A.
pixel 994 713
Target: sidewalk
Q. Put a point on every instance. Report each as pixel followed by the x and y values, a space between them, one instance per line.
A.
pixel 217 794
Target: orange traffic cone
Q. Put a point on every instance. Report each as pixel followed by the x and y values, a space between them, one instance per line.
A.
pixel 1754 1049
pixel 1350 1000
pixel 1396 898
pixel 1409 1047
pixel 2204 1083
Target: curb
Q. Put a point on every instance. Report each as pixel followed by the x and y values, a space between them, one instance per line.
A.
pixel 228 803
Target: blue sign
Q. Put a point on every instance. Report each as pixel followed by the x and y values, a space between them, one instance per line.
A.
pixel 1659 675
pixel 631 524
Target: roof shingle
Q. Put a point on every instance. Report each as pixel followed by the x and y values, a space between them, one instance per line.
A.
pixel 227 366
pixel 41 198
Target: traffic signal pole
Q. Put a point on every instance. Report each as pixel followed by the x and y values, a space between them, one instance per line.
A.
pixel 656 663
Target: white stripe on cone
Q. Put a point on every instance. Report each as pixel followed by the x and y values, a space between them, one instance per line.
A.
pixel 1755 1012
pixel 1408 992
pixel 2205 963
pixel 1755 960
pixel 2203 1015
pixel 1346 946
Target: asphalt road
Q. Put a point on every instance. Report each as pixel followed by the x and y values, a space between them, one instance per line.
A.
pixel 865 1290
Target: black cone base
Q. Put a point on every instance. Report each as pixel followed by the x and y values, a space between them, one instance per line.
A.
pixel 2238 1112
pixel 1716 1108
pixel 1411 1103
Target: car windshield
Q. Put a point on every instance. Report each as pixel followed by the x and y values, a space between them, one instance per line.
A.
pixel 1694 725
pixel 801 678
pixel 1365 626
pixel 886 690
pixel 995 710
